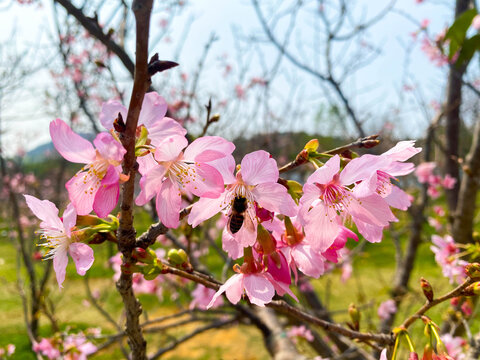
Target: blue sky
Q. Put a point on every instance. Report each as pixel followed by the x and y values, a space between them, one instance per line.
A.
pixel 374 90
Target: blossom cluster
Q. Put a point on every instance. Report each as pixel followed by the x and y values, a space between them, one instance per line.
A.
pixel 276 232
pixel 425 175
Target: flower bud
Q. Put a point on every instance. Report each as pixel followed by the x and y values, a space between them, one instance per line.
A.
pixel 473 270
pixel 129 269
pixel 427 289
pixel 265 240
pixel 179 258
pixel 355 316
pixel 145 256
pixel 312 145
pixel 119 124
pixel 472 290
pixel 413 356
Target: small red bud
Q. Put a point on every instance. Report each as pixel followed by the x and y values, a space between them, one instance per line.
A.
pixel 427 289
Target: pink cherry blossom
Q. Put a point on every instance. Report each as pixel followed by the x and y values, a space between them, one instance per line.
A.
pixel 383 355
pixel 328 201
pixel 173 170
pixel 257 182
pixel 445 251
pixel 59 235
pixel 424 171
pixel 76 347
pixel 96 185
pixel 152 117
pixel 260 288
pixel 386 309
pixel 46 348
pixel 300 331
pixel 454 345
pixel 449 182
pixel 201 298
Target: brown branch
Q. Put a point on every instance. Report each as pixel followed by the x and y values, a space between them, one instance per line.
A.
pixel 94 28
pixel 126 231
pixel 283 307
pixel 464 215
pixel 214 325
pixel 458 291
pixel 364 142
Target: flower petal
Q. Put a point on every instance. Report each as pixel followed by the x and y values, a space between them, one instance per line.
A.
pixel 70 145
pixel 69 218
pixel 150 184
pixel 398 199
pixel 259 167
pixel 170 148
pixel 208 148
pixel 259 290
pixel 231 245
pixel 275 197
pixel 205 208
pixel 169 201
pixel 326 173
pixel 321 227
pixel 226 167
pixel 45 211
pixel 234 286
pixel 106 198
pixel 206 181
pixel 109 113
pixel 82 256
pixel 154 108
pixel 404 150
pixel 60 262
pixel 308 261
pixel 82 191
pixel 164 129
pixel 108 147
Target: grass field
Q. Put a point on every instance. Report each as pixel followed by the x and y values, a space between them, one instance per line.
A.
pixel 368 287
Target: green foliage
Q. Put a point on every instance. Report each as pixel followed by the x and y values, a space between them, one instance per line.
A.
pixel 459 43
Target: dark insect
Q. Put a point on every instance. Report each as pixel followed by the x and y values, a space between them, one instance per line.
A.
pixel 237 215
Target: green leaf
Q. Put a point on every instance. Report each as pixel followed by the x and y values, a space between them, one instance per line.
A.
pixel 458 31
pixel 468 49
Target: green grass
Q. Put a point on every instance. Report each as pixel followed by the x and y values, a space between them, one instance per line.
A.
pixel 369 286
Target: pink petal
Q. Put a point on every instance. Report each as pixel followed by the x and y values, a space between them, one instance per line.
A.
pixel 234 286
pixel 311 193
pixel 398 199
pixel 226 167
pixel 259 290
pixel 231 245
pixel 308 261
pixel 326 173
pixel 108 147
pixel 208 148
pixel 82 256
pixel 154 108
pixel 399 169
pixel 280 287
pixel 362 168
pixel 371 209
pixel 80 193
pixel 171 148
pixel 274 197
pixel 70 145
pixel 150 184
pixel 146 163
pixel 164 129
pixel 60 262
pixel 207 182
pixel 321 227
pixel 69 218
pixel 109 113
pixel 371 233
pixel 247 235
pixel 169 202
pixel 404 150
pixel 205 208
pixel 106 199
pixel 258 167
pixel 45 211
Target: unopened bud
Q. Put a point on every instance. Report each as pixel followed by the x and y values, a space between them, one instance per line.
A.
pixel 119 125
pixel 312 145
pixel 145 256
pixel 427 289
pixel 413 356
pixel 355 316
pixel 472 290
pixel 214 118
pixel 473 270
pixel 265 240
pixel 370 143
pixel 179 258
